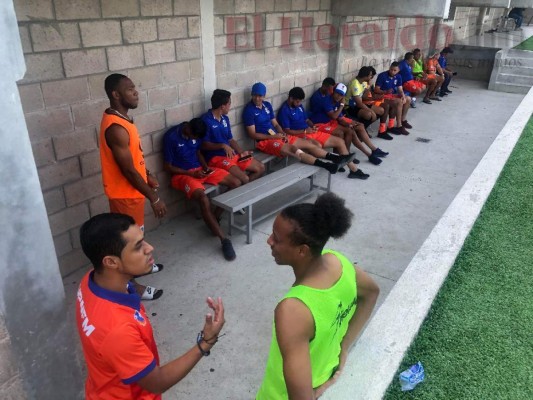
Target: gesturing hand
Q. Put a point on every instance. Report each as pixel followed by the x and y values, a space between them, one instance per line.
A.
pixel 214 322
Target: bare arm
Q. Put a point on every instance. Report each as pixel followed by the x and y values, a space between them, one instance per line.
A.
pixel 162 378
pixel 218 146
pixel 335 114
pixel 117 139
pixel 294 329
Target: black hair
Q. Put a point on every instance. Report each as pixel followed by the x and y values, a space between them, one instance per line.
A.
pixel 315 223
pixel 329 81
pixel 297 93
pixel 101 236
pixel 408 55
pixel 111 83
pixel 416 51
pixel 220 98
pixel 198 128
pixel 395 64
pixel 373 70
pixel 363 72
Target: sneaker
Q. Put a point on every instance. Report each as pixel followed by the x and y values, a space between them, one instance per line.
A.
pixel 332 168
pixel 343 159
pixel 227 250
pixel 427 101
pixel 385 136
pixel 435 98
pixel 341 169
pixel 404 131
pixel 442 94
pixel 358 175
pixel 374 159
pixel 395 131
pixel 407 125
pixel 380 153
pixel 155 269
pixel 151 293
pixel 447 91
pixel 413 103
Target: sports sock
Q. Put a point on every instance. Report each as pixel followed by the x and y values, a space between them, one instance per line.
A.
pixel 332 157
pixel 392 122
pixel 382 127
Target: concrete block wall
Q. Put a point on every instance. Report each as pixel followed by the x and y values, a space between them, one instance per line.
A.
pixel 274 42
pixel 69 49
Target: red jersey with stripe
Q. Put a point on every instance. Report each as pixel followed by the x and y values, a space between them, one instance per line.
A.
pixel 117 340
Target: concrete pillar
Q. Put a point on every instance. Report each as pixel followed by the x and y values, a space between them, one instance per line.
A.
pixel 208 49
pixel 335 54
pixel 480 24
pixel 42 343
pixel 387 8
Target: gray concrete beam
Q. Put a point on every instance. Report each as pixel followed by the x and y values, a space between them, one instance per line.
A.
pixel 482 3
pixel 379 8
pixel 43 344
pixel 522 3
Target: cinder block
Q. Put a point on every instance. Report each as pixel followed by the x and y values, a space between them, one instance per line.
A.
pixel 192 90
pixel 31 97
pixel 264 6
pixel 54 200
pixel 154 162
pixel 159 52
pixel 71 144
pixel 146 78
pixel 68 218
pixel 43 152
pixel 34 10
pixel 227 81
pixel 162 97
pixel 72 261
pixel 282 5
pixel 84 62
pixel 188 49
pixel 25 40
pixel 99 205
pixel 175 72
pixel 196 69
pixel 123 57
pixel 224 7
pixel 150 122
pixel 200 106
pixel 245 6
pixel 142 107
pixel 172 28
pixel 48 123
pixel 100 33
pixel 42 67
pixel 146 144
pixel 222 44
pixel 187 7
pixel 86 9
pixel 75 238
pixel 194 26
pixel 235 61
pixel 120 8
pixel 62 244
pixel 155 8
pixel 176 115
pixel 83 190
pixel 255 58
pixel 65 92
pixel 325 5
pixel 60 173
pixel 157 142
pixel 90 163
pixel 219 25
pixel 96 85
pixel 272 89
pixel 286 84
pixel 55 36
pixel 139 30
pixel 220 64
pixel 273 21
pixel 89 113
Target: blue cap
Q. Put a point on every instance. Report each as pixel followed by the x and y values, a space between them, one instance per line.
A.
pixel 259 89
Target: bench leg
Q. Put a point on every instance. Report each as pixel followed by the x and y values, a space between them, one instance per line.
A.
pixel 249 224
pixel 329 182
pixel 230 222
pixel 311 182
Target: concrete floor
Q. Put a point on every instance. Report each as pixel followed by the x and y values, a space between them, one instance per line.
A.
pixel 395 210
pixel 505 40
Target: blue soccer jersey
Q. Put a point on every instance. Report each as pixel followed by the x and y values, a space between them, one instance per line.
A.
pixel 386 82
pixel 260 117
pixel 217 132
pixel 321 105
pixel 292 118
pixel 406 71
pixel 179 151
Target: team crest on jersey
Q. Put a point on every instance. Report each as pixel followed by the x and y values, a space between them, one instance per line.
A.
pixel 267 110
pixel 224 123
pixel 187 188
pixel 139 318
pixel 277 144
pixel 225 162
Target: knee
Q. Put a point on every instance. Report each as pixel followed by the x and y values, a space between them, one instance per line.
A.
pixel 261 167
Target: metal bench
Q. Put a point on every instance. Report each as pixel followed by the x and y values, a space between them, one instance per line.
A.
pixel 247 195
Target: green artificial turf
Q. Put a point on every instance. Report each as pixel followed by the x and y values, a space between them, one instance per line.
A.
pixel 477 340
pixel 526 45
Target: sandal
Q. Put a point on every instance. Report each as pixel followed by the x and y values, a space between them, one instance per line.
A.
pixel 151 293
pixel 155 269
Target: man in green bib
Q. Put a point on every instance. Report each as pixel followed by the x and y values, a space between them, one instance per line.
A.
pixel 318 320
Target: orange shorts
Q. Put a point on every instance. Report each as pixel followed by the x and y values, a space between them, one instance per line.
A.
pixel 413 86
pixel 226 163
pixel 273 146
pixel 189 185
pixel 132 207
pixel 320 137
pixel 376 103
